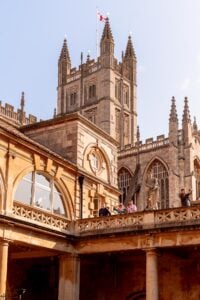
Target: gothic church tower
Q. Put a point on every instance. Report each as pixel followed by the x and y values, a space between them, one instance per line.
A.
pixel 103 91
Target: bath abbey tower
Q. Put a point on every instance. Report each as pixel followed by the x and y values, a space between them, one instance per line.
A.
pixel 104 92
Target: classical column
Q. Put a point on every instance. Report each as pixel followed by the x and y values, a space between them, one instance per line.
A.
pixel 3 266
pixel 151 275
pixel 69 277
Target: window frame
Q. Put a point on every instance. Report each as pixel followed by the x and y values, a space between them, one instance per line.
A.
pixel 53 188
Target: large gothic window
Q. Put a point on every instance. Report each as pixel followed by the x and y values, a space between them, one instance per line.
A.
pixel 158 170
pixel 37 190
pixel 124 178
pixel 197 178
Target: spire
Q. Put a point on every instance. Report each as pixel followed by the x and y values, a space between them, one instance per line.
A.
pixel 173 113
pixel 173 123
pixel 138 134
pixel 186 112
pixel 64 64
pixel 107 33
pixel 130 52
pixel 195 127
pixel 21 111
pixel 65 52
pixel 186 124
pixel 22 102
pixel 107 46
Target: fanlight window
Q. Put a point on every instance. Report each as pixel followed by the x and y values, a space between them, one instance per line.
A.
pixel 158 170
pixel 124 178
pixel 37 190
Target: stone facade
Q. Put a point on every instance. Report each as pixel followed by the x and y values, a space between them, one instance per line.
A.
pixel 104 91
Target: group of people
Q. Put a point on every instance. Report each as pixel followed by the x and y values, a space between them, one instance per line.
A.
pixel 120 209
pixel 152 203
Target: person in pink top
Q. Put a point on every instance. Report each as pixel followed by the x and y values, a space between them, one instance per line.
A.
pixel 131 207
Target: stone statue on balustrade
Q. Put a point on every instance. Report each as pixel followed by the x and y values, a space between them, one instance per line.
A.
pixel 153 194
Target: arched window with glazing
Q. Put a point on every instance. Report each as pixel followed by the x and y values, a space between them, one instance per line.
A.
pixel 158 170
pixel 124 178
pixel 42 192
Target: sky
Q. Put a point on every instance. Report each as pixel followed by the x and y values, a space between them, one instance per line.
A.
pixel 165 35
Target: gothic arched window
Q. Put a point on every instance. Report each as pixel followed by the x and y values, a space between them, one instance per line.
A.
pixel 124 178
pixel 158 170
pixel 197 177
pixel 37 190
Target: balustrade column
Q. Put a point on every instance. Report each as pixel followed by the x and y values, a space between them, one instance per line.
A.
pixel 151 275
pixel 3 266
pixel 69 277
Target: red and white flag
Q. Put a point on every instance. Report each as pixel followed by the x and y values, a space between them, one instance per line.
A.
pixel 101 17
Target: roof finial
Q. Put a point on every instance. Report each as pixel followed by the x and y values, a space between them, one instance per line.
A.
pixel 195 127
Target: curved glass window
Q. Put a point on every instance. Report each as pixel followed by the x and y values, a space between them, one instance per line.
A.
pixel 37 190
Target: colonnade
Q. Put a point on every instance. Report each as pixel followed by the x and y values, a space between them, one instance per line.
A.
pixel 69 274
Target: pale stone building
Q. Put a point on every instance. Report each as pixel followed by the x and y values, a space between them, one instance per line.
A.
pixel 56 174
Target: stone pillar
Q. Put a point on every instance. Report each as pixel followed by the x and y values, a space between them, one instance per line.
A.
pixel 151 275
pixel 3 266
pixel 69 277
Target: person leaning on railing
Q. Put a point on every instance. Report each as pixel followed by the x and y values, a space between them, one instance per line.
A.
pixel 120 209
pixel 131 207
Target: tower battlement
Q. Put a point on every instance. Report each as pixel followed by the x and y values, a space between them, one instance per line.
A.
pixel 18 116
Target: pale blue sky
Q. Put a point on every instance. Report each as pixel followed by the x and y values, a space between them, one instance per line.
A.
pixel 166 38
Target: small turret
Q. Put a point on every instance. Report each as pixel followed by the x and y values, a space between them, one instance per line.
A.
pixel 64 64
pixel 173 123
pixel 130 52
pixel 186 124
pixel 186 112
pixel 107 46
pixel 130 61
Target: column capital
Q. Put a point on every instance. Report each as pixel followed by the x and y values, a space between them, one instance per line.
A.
pixel 4 242
pixel 69 256
pixel 152 250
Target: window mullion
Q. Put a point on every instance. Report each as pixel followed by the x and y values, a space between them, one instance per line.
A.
pixel 51 194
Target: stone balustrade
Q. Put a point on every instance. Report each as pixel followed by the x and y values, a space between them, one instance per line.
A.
pixel 41 217
pixel 138 221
